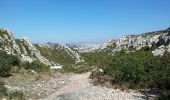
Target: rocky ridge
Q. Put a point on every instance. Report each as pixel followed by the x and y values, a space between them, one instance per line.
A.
pixel 86 47
pixel 161 39
pixel 73 54
pixel 21 47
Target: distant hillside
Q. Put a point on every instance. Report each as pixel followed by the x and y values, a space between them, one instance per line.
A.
pixel 138 41
pixel 59 53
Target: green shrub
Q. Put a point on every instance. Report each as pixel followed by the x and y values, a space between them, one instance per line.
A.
pixel 37 66
pixel 164 95
pixel 79 70
pixel 16 95
pixel 68 69
pixel 96 58
pixel 7 62
pixel 3 89
pixel 58 55
pixel 140 69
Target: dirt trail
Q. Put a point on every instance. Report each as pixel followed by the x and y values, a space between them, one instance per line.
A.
pixel 77 81
pixel 79 88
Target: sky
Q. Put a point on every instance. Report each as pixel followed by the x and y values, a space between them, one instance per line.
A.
pixel 85 21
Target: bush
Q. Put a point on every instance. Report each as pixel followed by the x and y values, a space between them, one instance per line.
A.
pixel 3 89
pixel 140 69
pixel 7 62
pixel 16 95
pixel 37 66
pixel 67 69
pixel 164 95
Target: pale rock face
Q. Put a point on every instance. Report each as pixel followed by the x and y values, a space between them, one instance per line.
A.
pixel 168 47
pixel 56 67
pixel 154 39
pixel 94 47
pixel 136 42
pixel 132 42
pixel 45 46
pixel 108 43
pixel 16 47
pixel 87 47
pixel 164 39
pixel 101 70
pixel 159 51
pixel 10 45
pixel 34 52
pixel 25 58
pixel 72 53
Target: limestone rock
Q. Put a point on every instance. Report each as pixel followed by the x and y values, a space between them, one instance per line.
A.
pixel 159 51
pixel 21 47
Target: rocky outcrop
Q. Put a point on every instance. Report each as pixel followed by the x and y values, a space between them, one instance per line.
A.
pixel 108 43
pixel 87 47
pixel 94 47
pixel 8 42
pixel 161 39
pixel 159 51
pixel 75 55
pixel 31 50
pixel 21 47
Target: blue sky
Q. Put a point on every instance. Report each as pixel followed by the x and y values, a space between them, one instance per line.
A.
pixel 72 21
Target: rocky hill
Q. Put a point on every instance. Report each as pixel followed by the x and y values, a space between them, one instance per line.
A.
pixel 93 47
pixel 86 47
pixel 60 53
pixel 21 47
pixel 160 39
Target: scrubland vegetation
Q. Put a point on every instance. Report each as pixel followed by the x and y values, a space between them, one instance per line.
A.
pixel 137 70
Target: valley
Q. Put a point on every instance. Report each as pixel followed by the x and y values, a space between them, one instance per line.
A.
pixel 127 68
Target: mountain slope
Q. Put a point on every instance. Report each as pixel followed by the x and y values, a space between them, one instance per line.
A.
pixel 136 42
pixel 59 53
pixel 21 47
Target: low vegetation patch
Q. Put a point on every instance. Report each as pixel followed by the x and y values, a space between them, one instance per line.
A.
pixel 3 89
pixel 136 70
pixel 68 69
pixel 7 62
pixel 13 95
pixel 36 66
pixel 56 55
pixel 16 95
pixel 96 58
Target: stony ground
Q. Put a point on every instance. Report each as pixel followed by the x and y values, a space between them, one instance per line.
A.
pixel 66 87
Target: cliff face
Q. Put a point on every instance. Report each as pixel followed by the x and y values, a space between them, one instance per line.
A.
pixel 21 47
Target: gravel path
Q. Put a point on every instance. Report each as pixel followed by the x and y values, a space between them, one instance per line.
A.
pixel 79 88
